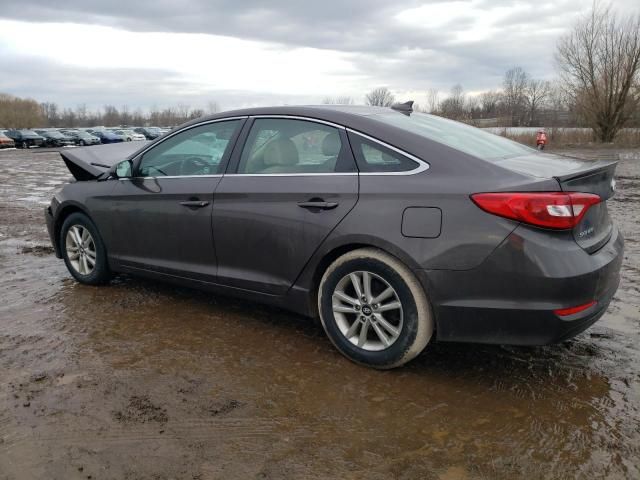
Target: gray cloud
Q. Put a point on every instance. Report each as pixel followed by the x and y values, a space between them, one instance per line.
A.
pixel 383 50
pixel 71 86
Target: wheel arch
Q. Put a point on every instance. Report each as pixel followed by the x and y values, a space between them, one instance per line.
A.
pixel 310 279
pixel 63 212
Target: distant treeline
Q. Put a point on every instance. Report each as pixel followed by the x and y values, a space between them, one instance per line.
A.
pixel 18 112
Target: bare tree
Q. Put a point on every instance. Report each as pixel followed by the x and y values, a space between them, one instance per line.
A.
pixel 68 118
pixel 489 103
pixel 111 116
pixel 380 97
pixel 50 112
pixel 433 100
pixel 20 112
pixel 535 94
pixel 599 61
pixel 454 106
pixel 339 100
pixel 514 86
pixel 125 116
pixel 81 115
pixel 196 113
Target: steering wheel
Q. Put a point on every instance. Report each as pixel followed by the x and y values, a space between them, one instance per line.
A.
pixel 194 165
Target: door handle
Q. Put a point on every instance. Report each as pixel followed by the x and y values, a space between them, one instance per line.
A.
pixel 194 203
pixel 318 204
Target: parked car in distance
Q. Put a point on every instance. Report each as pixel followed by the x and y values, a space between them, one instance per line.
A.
pixel 54 138
pixel 82 138
pixel 150 133
pixel 6 142
pixel 130 135
pixel 106 136
pixel 25 138
pixel 390 226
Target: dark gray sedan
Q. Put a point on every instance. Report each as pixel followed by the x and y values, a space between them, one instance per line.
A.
pixel 392 227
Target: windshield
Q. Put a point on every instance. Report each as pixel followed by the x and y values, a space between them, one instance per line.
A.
pixel 465 138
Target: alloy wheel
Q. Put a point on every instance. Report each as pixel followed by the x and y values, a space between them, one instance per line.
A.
pixel 367 310
pixel 81 249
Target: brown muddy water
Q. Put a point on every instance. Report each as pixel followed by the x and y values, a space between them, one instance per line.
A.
pixel 140 380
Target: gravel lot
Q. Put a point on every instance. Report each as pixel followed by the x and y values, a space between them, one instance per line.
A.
pixel 140 380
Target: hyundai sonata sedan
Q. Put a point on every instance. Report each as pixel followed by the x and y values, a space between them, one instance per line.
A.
pixel 394 228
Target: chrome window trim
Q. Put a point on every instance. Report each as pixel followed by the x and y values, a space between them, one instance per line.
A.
pixel 319 174
pixel 304 119
pixel 218 175
pixel 422 165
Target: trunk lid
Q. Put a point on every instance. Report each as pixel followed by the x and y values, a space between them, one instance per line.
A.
pixel 575 175
pixel 88 163
pixel 594 230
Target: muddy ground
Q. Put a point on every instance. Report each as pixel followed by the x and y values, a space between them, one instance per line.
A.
pixel 143 380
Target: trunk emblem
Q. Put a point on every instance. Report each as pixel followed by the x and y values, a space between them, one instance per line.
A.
pixel 588 231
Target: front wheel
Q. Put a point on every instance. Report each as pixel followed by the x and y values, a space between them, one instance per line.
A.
pixel 374 310
pixel 83 250
pixel 25 145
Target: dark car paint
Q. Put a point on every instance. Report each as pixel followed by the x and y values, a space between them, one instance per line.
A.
pixel 107 137
pixel 30 139
pixel 148 134
pixel 489 279
pixel 55 140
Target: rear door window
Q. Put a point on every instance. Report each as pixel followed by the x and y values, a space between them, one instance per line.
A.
pixel 290 146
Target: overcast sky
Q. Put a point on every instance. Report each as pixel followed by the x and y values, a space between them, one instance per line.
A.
pixel 264 52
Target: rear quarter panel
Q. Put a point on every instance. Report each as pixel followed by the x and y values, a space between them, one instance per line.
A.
pixel 467 236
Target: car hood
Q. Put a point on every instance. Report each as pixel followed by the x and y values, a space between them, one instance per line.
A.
pixel 88 163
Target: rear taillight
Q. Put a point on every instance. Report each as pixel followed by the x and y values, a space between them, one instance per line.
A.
pixel 557 210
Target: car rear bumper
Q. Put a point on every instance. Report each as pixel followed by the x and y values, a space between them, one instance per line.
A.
pixel 512 296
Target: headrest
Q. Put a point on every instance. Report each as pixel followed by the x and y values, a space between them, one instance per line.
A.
pixel 331 145
pixel 282 152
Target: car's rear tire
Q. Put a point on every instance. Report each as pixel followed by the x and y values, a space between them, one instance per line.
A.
pixel 82 143
pixel 83 250
pixel 24 145
pixel 393 311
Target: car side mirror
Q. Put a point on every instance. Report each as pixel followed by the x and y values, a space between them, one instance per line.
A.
pixel 122 169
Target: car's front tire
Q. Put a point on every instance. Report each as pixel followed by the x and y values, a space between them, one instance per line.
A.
pixel 83 250
pixel 374 309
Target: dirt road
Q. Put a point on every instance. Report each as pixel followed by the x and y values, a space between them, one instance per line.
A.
pixel 142 380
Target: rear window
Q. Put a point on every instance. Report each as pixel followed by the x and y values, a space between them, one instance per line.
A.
pixel 465 138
